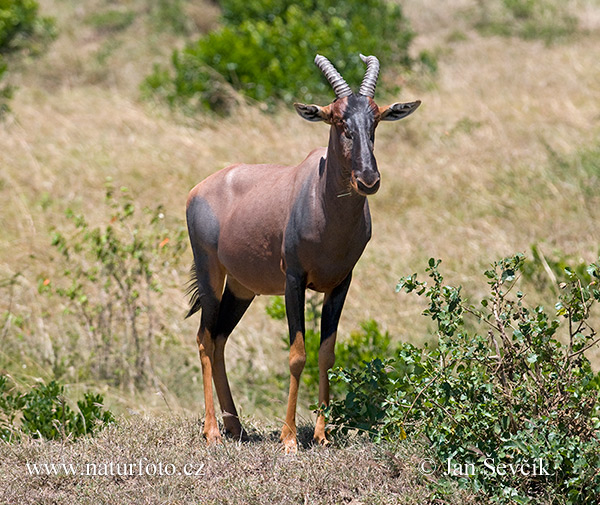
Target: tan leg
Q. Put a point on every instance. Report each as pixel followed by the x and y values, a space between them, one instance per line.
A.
pixel 206 349
pixel 214 279
pixel 234 302
pixel 326 361
pixel 230 415
pixel 297 361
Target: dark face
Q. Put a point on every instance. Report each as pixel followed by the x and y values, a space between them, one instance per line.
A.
pixel 355 124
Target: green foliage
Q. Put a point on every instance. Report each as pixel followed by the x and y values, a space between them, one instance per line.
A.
pixel 9 408
pixel 22 28
pixel 276 308
pixel 379 393
pixel 520 392
pixel 365 406
pixel 22 31
pixel 265 50
pixel 109 285
pixel 43 412
pixel 548 20
pixel 363 345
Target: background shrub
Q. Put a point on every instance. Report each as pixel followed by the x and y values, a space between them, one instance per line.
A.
pixel 265 50
pixel 22 31
pixel 44 412
pixel 110 290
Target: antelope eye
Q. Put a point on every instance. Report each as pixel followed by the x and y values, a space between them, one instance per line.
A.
pixel 347 133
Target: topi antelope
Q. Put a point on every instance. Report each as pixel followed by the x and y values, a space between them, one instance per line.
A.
pixel 271 229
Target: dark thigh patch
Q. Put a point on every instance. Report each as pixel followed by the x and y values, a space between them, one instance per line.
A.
pixel 203 225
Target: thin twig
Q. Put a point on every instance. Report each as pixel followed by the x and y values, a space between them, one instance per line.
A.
pixel 582 350
pixel 419 395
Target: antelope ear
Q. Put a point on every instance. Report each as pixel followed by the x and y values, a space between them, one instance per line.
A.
pixel 314 112
pixel 398 110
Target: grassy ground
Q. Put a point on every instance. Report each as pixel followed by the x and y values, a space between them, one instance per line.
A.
pixel 251 473
pixel 502 155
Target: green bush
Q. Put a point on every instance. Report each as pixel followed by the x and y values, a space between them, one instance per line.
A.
pixel 22 31
pixel 519 392
pixel 265 50
pixel 363 345
pixel 22 28
pixel 43 412
pixel 366 405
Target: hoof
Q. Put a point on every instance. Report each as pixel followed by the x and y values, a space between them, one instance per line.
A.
pixel 320 436
pixel 288 439
pixel 233 428
pixel 239 435
pixel 213 437
pixel 290 445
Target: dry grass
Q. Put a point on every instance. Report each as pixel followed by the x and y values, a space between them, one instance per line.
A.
pixel 467 178
pixel 249 473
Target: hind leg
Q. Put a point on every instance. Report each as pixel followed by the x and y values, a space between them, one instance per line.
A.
pixel 210 277
pixel 236 299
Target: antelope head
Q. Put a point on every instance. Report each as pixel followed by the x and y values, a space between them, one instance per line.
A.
pixel 353 118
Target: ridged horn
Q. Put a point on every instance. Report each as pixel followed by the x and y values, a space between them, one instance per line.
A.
pixel 340 87
pixel 367 88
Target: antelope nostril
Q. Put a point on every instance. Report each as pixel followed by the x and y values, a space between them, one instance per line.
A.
pixel 369 182
pixel 367 188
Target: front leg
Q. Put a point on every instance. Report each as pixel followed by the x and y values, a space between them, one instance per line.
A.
pixel 332 310
pixel 295 287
